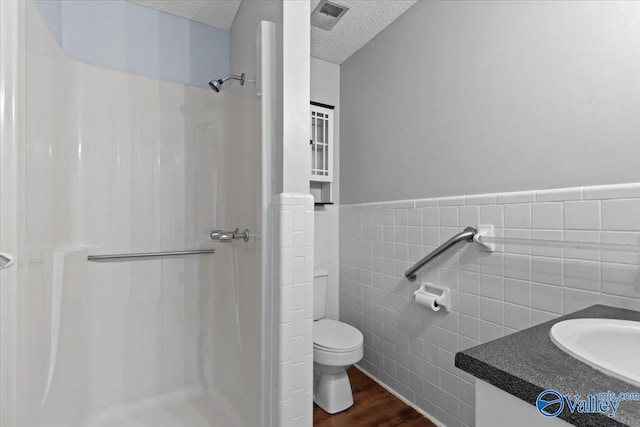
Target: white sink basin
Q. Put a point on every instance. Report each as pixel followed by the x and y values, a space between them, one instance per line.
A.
pixel 608 345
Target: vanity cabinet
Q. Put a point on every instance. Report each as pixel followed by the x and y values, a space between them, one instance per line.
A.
pixel 495 407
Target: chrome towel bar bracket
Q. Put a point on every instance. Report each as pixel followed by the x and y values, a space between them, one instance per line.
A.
pixel 6 261
pixel 465 236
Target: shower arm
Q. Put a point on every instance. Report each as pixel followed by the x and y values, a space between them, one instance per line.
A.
pixel 239 78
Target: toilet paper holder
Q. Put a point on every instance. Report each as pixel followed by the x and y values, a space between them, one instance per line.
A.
pixel 442 295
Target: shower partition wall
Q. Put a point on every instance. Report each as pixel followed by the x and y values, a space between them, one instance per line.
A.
pixel 97 161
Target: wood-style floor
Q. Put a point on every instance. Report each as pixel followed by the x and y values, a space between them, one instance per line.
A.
pixel 373 406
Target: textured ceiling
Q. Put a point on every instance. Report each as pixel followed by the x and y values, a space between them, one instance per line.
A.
pixel 361 23
pixel 216 13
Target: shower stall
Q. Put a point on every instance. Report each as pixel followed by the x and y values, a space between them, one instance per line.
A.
pixel 96 162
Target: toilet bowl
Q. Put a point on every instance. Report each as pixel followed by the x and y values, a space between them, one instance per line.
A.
pixel 336 346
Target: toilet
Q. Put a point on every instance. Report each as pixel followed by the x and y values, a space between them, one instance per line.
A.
pixel 336 346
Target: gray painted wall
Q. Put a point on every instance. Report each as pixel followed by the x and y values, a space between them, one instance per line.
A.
pixel 473 97
pixel 325 88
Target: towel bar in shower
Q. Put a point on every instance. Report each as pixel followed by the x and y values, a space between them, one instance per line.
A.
pixel 142 255
pixel 465 236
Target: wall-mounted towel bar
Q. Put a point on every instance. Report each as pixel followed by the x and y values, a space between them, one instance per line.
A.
pixel 466 236
pixel 470 234
pixel 612 247
pixel 145 255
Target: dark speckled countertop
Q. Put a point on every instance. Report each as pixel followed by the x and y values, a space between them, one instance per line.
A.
pixel 527 362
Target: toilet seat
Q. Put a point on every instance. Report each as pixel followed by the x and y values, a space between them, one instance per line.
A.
pixel 341 359
pixel 336 337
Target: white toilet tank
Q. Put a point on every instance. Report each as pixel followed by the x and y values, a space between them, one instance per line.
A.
pixel 320 282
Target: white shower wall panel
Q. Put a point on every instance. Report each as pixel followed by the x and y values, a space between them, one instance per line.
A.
pixel 136 189
pixel 119 163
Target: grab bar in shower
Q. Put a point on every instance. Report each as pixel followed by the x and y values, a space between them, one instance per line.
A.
pixel 465 236
pixel 230 236
pixel 144 255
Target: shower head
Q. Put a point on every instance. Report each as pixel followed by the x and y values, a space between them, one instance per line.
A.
pixel 218 85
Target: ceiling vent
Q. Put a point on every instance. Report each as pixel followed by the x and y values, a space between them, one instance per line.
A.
pixel 327 14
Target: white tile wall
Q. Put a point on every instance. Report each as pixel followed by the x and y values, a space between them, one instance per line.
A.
pixel 412 349
pixel 292 360
pixel 326 252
